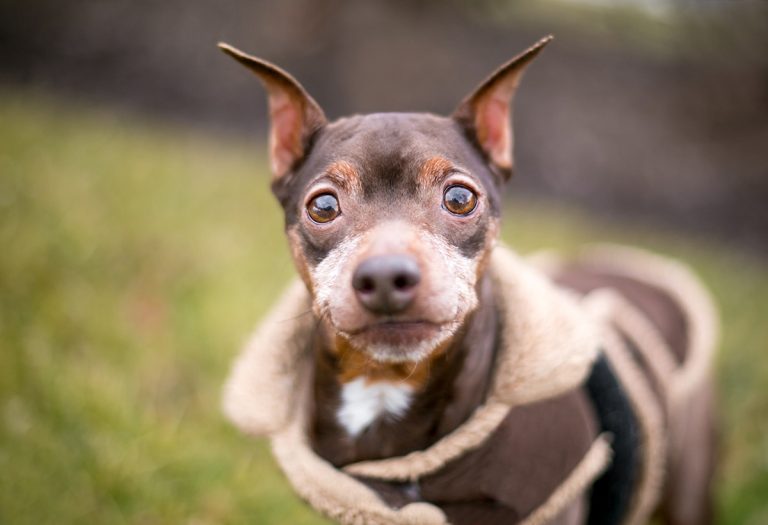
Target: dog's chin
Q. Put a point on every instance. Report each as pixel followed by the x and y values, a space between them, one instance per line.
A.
pixel 400 342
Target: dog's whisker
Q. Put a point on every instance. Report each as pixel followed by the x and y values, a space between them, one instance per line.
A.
pixel 297 316
pixel 410 374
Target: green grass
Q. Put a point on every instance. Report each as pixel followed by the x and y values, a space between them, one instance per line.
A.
pixel 134 260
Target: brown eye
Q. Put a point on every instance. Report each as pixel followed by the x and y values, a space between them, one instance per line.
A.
pixel 323 208
pixel 459 200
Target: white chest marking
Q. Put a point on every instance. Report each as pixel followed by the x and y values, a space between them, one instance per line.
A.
pixel 362 403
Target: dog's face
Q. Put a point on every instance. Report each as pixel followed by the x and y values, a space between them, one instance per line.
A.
pixel 391 217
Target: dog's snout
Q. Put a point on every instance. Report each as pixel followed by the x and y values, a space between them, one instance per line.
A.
pixel 386 284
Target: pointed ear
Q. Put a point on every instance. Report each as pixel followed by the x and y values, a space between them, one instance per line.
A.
pixel 486 113
pixel 294 115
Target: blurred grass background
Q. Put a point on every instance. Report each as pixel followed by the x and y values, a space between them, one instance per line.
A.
pixel 134 259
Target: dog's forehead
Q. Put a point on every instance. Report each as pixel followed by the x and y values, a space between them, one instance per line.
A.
pixel 389 149
pixel 382 132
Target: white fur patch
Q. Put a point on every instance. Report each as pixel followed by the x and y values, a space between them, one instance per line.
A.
pixel 460 296
pixel 328 276
pixel 362 403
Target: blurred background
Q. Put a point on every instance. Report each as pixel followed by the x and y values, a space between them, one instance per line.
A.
pixel 139 243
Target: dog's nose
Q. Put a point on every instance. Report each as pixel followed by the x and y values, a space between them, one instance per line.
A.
pixel 386 284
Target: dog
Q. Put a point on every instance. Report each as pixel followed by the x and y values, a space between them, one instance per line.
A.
pixel 392 221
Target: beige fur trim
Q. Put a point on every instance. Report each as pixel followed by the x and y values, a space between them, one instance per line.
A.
pixel 468 436
pixel 687 290
pixel 549 343
pixel 589 468
pixel 260 390
pixel 651 345
pixel 646 407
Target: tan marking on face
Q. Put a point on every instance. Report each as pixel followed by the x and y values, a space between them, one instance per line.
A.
pixel 345 175
pixel 433 170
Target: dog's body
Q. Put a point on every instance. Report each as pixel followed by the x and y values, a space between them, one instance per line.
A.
pixel 392 219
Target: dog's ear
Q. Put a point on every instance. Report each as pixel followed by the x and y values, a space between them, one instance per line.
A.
pixel 294 115
pixel 486 113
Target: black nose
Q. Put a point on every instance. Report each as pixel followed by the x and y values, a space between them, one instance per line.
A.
pixel 386 284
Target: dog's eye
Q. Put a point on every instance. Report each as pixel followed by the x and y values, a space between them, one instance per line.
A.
pixel 459 200
pixel 323 208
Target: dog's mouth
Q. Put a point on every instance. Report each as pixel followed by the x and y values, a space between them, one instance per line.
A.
pixel 387 327
pixel 396 340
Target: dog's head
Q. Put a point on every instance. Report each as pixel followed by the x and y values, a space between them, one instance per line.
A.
pixel 391 217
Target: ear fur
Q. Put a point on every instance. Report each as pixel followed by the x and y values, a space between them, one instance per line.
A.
pixel 485 113
pixel 294 115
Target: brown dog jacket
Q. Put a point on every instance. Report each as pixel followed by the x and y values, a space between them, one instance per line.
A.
pixel 583 388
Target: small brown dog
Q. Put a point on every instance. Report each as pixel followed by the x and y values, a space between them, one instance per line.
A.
pixel 419 325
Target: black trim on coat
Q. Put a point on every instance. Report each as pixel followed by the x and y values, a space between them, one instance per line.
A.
pixel 612 492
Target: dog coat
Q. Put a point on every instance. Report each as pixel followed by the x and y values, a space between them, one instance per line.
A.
pixel 553 341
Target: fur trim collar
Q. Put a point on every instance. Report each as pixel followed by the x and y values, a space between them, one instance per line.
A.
pixel 548 346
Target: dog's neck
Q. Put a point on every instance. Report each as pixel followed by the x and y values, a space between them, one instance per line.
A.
pixel 363 410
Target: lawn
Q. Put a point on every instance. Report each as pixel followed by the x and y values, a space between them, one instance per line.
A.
pixel 134 259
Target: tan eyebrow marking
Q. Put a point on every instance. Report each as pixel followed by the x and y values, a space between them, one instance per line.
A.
pixel 433 170
pixel 345 175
